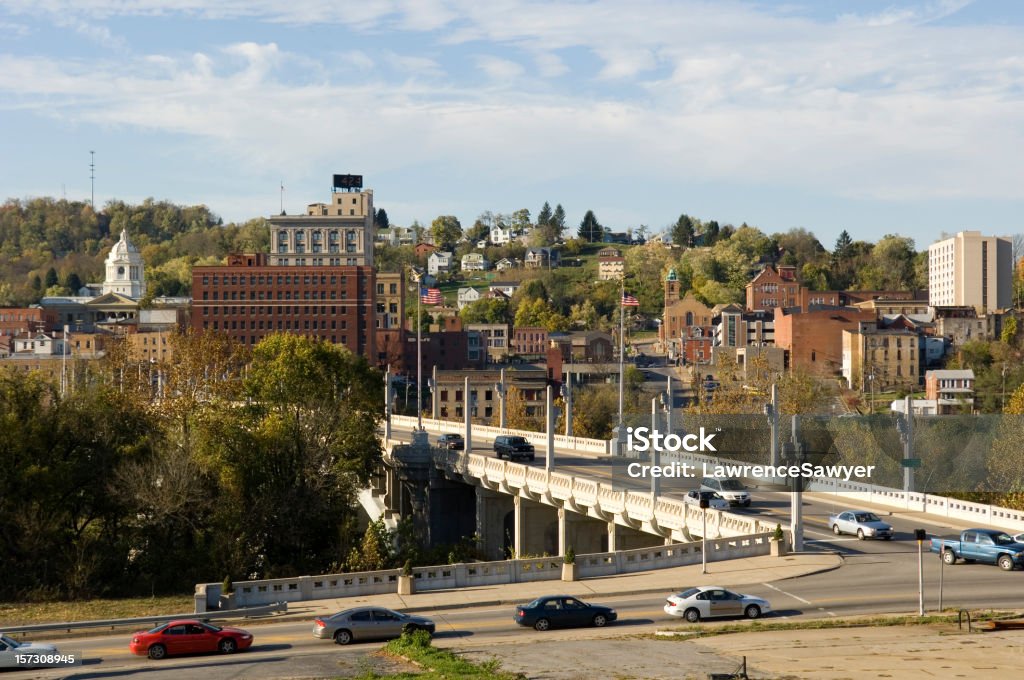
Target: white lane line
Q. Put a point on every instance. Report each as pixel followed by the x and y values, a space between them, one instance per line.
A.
pixel 831 540
pixel 780 590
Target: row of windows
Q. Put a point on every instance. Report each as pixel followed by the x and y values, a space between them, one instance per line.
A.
pixel 318 262
pixel 285 310
pixel 282 324
pixel 316 236
pixel 282 279
pixel 283 295
pixel 317 248
pixel 254 339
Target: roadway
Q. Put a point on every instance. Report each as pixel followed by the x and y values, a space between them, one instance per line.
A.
pixel 866 584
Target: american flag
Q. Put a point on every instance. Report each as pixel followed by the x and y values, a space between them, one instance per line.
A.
pixel 430 296
pixel 629 300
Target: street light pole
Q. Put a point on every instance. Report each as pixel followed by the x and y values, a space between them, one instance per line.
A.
pixel 704 536
pixel 419 355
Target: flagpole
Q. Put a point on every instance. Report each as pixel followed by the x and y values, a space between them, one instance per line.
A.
pixel 419 355
pixel 622 350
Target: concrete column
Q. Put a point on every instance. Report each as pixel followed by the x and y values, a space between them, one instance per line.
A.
pixel 502 395
pixel 561 527
pixel 492 508
pixel 568 405
pixel 549 455
pixel 613 544
pixel 518 545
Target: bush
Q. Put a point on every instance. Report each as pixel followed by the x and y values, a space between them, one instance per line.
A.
pixel 226 586
pixel 407 568
pixel 570 556
pixel 778 535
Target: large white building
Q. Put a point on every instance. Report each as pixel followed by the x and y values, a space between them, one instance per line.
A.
pixel 971 270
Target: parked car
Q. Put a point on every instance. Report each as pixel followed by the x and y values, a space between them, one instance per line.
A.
pixel 368 623
pixel 11 648
pixel 513 447
pixel 451 441
pixel 706 602
pixel 730 489
pixel 188 636
pixel 862 524
pixel 715 502
pixel 562 611
pixel 990 546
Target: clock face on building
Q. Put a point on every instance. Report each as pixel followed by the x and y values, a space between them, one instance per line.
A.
pixel 120 271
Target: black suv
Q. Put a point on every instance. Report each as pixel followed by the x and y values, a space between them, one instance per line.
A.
pixel 513 447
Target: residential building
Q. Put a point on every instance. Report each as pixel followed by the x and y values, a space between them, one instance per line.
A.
pixel 508 288
pixel 952 390
pixel 735 327
pixel 774 287
pixel 610 264
pixel 503 264
pixel 467 296
pixel 530 342
pixel 500 236
pixel 541 258
pixel 424 249
pixel 531 384
pixel 249 299
pixel 21 320
pixel 971 269
pixel 474 262
pixel 390 300
pixel 339 233
pixel 814 337
pixel 582 346
pixel 495 338
pixel 751 361
pixel 439 262
pixel 960 324
pixel 40 343
pixel 877 359
pixel 882 307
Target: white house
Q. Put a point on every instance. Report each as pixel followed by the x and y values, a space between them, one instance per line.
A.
pixel 509 288
pixel 474 262
pixel 40 343
pixel 439 262
pixel 503 264
pixel 468 296
pixel 500 235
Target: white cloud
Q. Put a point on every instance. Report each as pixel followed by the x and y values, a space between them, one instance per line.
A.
pixel 502 70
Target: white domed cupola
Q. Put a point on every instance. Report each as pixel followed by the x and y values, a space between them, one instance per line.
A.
pixel 125 270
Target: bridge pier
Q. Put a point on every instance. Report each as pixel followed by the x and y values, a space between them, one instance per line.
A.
pixel 531 529
pixel 491 509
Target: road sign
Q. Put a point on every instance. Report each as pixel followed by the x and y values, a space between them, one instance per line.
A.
pixel 911 462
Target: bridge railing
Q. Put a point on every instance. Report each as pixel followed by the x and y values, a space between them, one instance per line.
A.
pixel 943 506
pixel 467 575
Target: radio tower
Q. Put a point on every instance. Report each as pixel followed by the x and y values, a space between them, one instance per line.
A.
pixel 92 179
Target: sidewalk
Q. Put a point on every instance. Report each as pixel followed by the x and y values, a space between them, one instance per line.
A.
pixel 731 573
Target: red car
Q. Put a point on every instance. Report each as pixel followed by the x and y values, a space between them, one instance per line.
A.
pixel 188 636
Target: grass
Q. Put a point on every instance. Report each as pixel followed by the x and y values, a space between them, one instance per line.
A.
pixel 24 613
pixel 437 663
pixel 697 631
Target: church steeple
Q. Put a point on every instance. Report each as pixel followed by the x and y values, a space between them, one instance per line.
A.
pixel 672 292
pixel 125 270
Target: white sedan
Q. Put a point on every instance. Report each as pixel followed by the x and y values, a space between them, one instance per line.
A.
pixel 706 602
pixel 11 649
pixel 715 502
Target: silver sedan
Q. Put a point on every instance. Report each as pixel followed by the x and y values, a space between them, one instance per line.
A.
pixel 705 602
pixel 861 524
pixel 368 623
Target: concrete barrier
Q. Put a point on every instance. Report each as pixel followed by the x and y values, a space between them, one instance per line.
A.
pixel 444 577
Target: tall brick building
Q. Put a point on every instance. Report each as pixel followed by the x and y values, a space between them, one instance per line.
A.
pixel 249 299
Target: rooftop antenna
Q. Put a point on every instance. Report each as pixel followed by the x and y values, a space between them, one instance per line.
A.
pixel 282 197
pixel 92 179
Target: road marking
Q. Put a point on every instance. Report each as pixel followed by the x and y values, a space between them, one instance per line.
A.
pixel 780 590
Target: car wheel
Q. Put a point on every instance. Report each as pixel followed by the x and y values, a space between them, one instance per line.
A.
pixel 1005 562
pixel 752 611
pixel 692 615
pixel 157 652
pixel 746 504
pixel 887 538
pixel 343 637
pixel 835 529
pixel 227 646
pixel 949 557
pixel 600 620
pixel 860 534
pixel 542 624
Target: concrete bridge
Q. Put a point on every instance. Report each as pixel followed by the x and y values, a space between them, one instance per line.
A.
pixel 517 510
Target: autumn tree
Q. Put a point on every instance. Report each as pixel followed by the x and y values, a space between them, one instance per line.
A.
pixel 446 231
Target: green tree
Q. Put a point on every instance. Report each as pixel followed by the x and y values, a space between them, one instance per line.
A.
pixel 380 219
pixel 537 313
pixel 590 229
pixel 1009 334
pixel 558 222
pixel 544 216
pixel 486 310
pixel 683 231
pixel 73 283
pixel 446 231
pixel 51 279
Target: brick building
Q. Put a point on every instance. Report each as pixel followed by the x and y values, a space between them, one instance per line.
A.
pixel 814 338
pixel 879 359
pixel 686 329
pixel 530 341
pixel 249 299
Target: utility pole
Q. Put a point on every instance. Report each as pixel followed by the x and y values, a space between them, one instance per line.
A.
pixel 655 453
pixel 500 389
pixel 772 411
pixel 567 395
pixel 668 405
pixel 906 427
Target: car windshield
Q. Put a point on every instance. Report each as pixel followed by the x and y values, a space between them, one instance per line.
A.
pixel 1002 539
pixel 533 605
pixel 732 485
pixel 517 440
pixel 212 628
pixel 157 629
pixel 688 593
pixel 10 642
pixel 867 517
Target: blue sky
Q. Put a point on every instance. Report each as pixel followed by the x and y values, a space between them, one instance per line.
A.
pixel 875 117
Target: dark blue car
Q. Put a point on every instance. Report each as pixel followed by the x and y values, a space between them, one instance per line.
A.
pixel 562 611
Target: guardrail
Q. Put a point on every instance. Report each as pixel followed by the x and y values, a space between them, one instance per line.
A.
pixel 273 608
pixel 465 575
